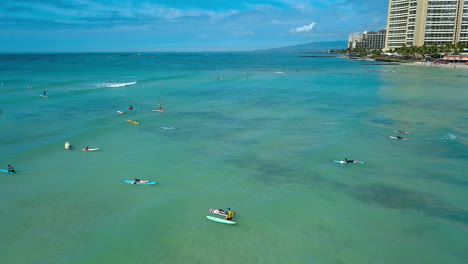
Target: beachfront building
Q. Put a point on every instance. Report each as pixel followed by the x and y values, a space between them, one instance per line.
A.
pixel 367 40
pixel 426 22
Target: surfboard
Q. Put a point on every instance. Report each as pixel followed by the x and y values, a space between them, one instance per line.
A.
pixel 217 211
pixel 166 128
pixel 44 96
pixel 67 145
pixel 140 183
pixel 344 162
pixel 392 137
pixel 220 220
pixel 133 122
pixel 157 110
pixel 121 112
pixel 91 149
pixel 3 170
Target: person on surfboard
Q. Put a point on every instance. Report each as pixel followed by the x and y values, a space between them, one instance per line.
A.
pixel 140 181
pixel 131 107
pixel 86 149
pixel 351 161
pixel 160 106
pixel 230 214
pixel 10 168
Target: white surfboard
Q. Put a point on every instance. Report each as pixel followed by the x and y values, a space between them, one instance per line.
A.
pixel 90 149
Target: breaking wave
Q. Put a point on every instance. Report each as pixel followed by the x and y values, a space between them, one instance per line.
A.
pixel 115 85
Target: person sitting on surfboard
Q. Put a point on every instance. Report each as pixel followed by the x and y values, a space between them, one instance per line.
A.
pixel 160 106
pixel 131 107
pixel 86 149
pixel 230 214
pixel 10 168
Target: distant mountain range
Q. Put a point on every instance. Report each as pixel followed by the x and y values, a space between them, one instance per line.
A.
pixel 313 47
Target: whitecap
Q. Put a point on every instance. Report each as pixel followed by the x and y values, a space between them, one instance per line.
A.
pixel 449 136
pixel 115 85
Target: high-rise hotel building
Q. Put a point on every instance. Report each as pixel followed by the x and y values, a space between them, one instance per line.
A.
pixel 429 22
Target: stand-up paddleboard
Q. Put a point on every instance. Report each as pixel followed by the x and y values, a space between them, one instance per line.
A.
pixel 168 128
pixel 401 132
pixel 67 145
pixel 140 183
pixel 90 149
pixel 158 110
pixel 3 170
pixel 344 161
pixel 398 138
pixel 133 122
pixel 217 211
pixel 121 112
pixel 220 220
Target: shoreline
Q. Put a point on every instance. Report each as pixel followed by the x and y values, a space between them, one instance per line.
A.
pixel 450 65
pixel 437 65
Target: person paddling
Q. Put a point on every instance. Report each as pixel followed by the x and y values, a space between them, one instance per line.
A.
pixel 10 168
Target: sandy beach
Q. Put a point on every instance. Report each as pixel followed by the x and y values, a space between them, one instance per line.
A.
pixel 439 65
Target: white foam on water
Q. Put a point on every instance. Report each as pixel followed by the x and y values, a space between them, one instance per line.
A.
pixel 115 85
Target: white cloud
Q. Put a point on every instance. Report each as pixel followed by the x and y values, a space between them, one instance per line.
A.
pixel 304 29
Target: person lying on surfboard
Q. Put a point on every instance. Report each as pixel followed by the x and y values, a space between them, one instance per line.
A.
pixel 230 214
pixel 352 161
pixel 140 181
pixel 10 168
pixel 221 211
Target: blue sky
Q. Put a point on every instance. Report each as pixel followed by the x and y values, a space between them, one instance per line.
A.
pixel 176 25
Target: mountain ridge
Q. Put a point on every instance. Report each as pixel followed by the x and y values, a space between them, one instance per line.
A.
pixel 320 46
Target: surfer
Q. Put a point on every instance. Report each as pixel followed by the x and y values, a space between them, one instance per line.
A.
pixel 86 149
pixel 140 181
pixel 352 161
pixel 230 214
pixel 398 137
pixel 44 94
pixel 160 106
pixel 131 107
pixel 10 168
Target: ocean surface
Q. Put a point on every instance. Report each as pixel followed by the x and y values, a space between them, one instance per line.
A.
pixel 256 132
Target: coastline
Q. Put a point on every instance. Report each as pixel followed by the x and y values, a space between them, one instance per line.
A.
pixel 437 65
pixel 451 65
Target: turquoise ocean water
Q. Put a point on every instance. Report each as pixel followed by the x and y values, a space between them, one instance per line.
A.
pixel 257 132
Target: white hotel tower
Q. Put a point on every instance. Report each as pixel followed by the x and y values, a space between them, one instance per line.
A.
pixel 429 22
